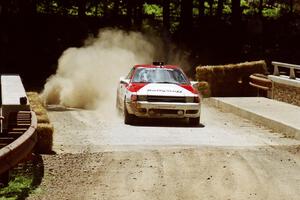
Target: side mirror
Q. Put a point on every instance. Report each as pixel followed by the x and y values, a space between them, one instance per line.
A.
pixel 194 83
pixel 123 80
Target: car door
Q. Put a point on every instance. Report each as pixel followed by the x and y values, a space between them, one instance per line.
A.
pixel 123 83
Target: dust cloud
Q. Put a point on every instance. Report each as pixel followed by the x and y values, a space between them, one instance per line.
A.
pixel 87 77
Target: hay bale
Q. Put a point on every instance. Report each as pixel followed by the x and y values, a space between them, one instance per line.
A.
pixel 44 128
pixel 45 138
pixel 42 119
pixel 37 107
pixel 231 79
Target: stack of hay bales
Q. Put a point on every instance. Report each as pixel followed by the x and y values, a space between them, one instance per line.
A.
pixel 232 79
pixel 44 128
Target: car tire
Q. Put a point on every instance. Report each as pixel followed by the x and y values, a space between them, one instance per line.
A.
pixel 194 121
pixel 128 118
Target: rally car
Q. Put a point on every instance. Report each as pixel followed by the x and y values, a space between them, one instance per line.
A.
pixel 158 91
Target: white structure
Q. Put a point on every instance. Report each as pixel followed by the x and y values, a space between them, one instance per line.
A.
pixel 286 87
pixel 13 97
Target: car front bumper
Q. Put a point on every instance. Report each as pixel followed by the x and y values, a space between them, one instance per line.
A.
pixel 145 109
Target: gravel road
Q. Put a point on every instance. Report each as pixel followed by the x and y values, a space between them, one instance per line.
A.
pixel 227 157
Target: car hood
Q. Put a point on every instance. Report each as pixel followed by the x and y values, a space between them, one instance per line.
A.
pixel 162 89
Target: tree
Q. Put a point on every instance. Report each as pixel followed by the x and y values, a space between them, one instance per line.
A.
pixel 186 14
pixel 220 8
pixel 291 6
pixel 211 9
pixel 81 7
pixel 236 12
pixel 201 8
pixel 260 8
pixel 138 12
pixel 129 9
pixel 166 14
pixel 27 7
pixel 116 7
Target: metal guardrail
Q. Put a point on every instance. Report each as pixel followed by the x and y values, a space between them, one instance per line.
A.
pixel 260 81
pixel 292 68
pixel 13 153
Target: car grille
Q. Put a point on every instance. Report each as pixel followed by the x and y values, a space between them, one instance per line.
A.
pixel 164 111
pixel 166 99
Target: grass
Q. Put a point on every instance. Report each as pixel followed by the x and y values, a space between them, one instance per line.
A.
pixel 16 188
pixel 24 179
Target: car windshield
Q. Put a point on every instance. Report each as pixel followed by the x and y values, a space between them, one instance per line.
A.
pixel 159 75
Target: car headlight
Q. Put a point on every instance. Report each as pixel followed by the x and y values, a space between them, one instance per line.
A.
pixel 195 99
pixel 133 97
pixel 189 99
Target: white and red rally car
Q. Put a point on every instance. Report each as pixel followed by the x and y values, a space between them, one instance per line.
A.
pixel 158 91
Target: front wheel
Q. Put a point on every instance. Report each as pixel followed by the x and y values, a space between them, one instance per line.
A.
pixel 128 118
pixel 194 121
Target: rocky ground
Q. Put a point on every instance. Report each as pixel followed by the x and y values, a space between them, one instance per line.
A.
pixel 98 157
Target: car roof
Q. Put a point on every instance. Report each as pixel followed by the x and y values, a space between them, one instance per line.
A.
pixel 157 66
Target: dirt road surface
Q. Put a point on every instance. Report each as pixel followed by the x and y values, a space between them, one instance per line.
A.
pixel 98 157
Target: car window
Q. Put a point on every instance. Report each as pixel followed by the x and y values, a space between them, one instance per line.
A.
pixel 129 75
pixel 159 75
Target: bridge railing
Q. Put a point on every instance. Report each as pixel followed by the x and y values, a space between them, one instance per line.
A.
pixel 292 68
pixel 13 98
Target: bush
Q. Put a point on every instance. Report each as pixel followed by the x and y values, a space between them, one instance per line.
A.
pixel 203 88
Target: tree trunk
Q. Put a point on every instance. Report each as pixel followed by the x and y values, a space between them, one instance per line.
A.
pixel 116 7
pixel 220 8
pixel 81 7
pixel 260 8
pixel 138 13
pixel 236 12
pixel 27 7
pixel 291 6
pixel 129 10
pixel 166 14
pixel 211 9
pixel 201 8
pixel 186 21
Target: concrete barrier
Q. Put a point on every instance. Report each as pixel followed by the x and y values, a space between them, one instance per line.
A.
pixel 13 97
pixel 278 116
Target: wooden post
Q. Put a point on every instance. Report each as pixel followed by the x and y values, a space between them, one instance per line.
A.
pixel 276 71
pixel 4 179
pixel 292 73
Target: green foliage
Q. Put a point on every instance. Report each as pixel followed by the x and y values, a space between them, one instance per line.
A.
pixel 271 12
pixel 16 188
pixel 203 88
pixel 100 8
pixel 153 9
pixel 175 9
pixel 195 11
pixel 244 3
pixel 227 9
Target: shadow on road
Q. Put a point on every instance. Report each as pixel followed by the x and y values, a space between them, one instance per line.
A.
pixel 165 123
pixel 60 108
